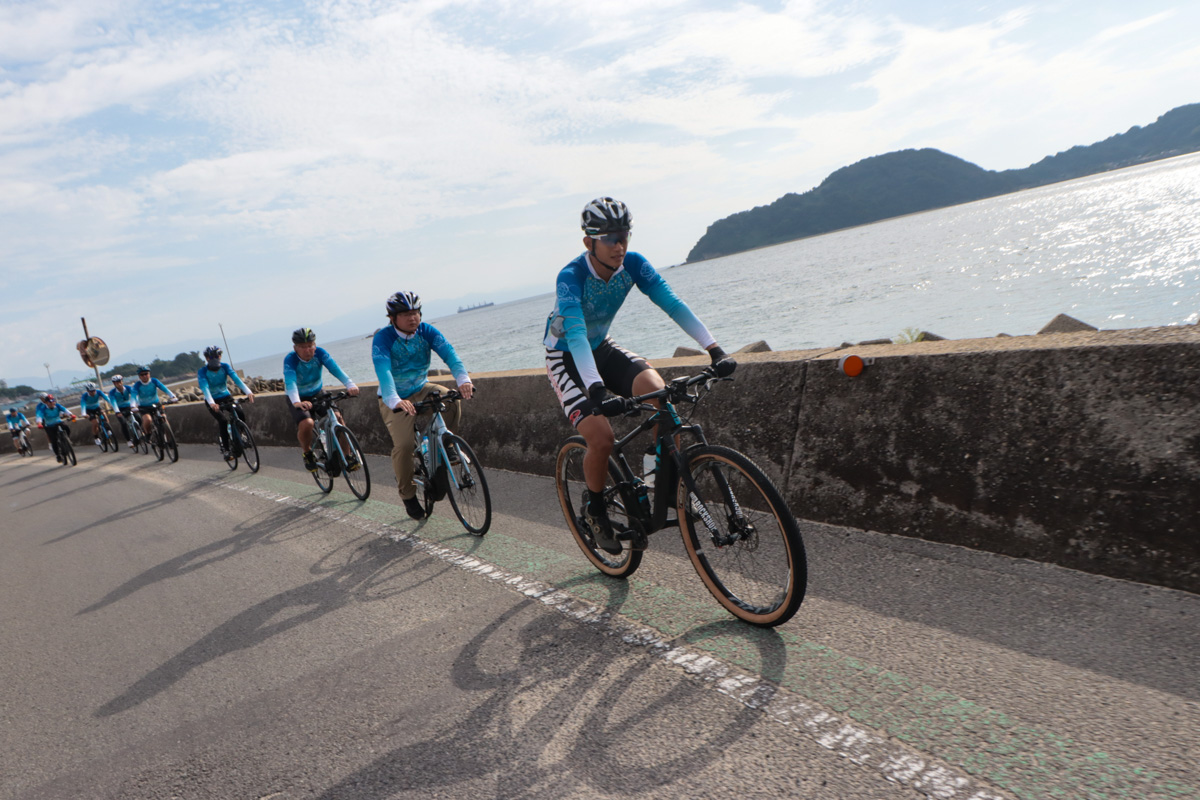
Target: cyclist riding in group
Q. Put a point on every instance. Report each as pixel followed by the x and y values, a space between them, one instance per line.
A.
pixel 122 400
pixel 302 382
pixel 213 378
pixel 584 364
pixel 50 415
pixel 16 423
pixel 145 397
pixel 400 353
pixel 89 406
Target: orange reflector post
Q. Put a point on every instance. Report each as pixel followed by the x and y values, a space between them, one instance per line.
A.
pixel 851 365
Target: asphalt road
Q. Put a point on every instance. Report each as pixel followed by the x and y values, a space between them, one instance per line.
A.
pixel 183 631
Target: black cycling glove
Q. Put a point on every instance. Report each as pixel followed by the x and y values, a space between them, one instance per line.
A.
pixel 723 365
pixel 610 405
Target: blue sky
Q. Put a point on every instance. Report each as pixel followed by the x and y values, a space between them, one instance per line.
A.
pixel 165 167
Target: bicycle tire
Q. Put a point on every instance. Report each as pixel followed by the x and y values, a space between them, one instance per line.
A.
pixel 103 443
pixel 760 572
pixel 467 486
pixel 169 444
pixel 321 476
pixel 67 450
pixel 425 485
pixel 113 444
pixel 572 494
pixel 245 441
pixel 156 441
pixel 355 470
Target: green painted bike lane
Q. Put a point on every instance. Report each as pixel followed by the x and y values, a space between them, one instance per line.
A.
pixel 854 701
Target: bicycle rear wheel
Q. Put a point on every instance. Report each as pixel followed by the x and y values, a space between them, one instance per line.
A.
pixel 741 537
pixel 467 487
pixel 107 431
pixel 354 469
pixel 169 444
pixel 572 496
pixel 246 443
pixel 324 479
pixel 102 437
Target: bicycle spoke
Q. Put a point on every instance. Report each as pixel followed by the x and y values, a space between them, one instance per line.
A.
pixel 467 486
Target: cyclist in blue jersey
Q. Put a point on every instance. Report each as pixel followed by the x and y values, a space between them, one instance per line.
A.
pixel 49 415
pixel 123 401
pixel 302 382
pixel 401 355
pixel 16 423
pixel 213 379
pixel 584 364
pixel 89 406
pixel 145 397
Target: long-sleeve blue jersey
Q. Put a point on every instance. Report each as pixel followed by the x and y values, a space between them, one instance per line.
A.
pixel 121 398
pixel 402 360
pixel 215 382
pixel 146 394
pixel 90 401
pixel 585 306
pixel 303 378
pixel 51 415
pixel 16 421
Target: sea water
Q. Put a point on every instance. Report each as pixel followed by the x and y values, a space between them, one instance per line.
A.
pixel 1116 250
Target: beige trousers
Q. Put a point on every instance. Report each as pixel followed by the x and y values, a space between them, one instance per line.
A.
pixel 402 428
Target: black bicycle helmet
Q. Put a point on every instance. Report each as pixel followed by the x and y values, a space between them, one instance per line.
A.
pixel 605 215
pixel 303 336
pixel 210 353
pixel 403 301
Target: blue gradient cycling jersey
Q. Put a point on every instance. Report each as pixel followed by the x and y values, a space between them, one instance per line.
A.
pixel 146 394
pixel 51 415
pixel 121 399
pixel 215 382
pixel 90 401
pixel 303 378
pixel 585 306
pixel 402 360
pixel 16 421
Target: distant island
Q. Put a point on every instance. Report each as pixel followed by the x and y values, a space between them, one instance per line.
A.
pixel 461 309
pixel 909 181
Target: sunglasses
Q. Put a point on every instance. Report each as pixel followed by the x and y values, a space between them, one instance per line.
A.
pixel 611 238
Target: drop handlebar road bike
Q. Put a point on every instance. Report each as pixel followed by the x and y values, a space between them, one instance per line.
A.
pixel 737 530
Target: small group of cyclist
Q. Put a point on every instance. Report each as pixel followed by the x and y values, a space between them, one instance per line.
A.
pixel 591 375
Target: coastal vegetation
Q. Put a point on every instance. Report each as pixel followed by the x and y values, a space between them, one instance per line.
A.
pixel 908 181
pixel 183 365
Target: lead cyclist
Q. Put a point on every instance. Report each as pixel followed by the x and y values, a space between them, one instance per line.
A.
pixel 584 364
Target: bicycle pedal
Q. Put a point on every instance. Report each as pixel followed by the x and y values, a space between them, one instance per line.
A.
pixel 637 541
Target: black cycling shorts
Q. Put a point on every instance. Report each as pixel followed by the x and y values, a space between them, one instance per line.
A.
pixel 617 366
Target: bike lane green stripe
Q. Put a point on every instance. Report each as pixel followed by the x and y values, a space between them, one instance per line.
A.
pixel 1026 760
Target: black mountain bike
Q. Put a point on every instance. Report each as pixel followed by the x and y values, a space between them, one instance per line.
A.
pixel 737 530
pixel 336 448
pixel 241 441
pixel 65 448
pixel 133 430
pixel 162 438
pixel 444 464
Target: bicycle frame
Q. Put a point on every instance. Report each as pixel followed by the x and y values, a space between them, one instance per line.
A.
pixel 324 406
pixel 669 456
pixel 230 412
pixel 433 431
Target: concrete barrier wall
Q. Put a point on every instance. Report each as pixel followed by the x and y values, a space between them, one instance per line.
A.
pixel 1075 449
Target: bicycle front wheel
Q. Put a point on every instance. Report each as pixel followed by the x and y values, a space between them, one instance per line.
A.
pixel 113 442
pixel 467 487
pixel 741 537
pixel 68 450
pixel 246 444
pixel 103 438
pixel 572 496
pixel 169 445
pixel 354 465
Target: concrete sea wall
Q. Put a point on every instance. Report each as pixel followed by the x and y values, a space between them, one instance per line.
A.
pixel 1078 449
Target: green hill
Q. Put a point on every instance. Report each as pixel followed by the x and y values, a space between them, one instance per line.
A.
pixel 908 181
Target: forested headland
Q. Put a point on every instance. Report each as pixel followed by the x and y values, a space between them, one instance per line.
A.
pixel 908 181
